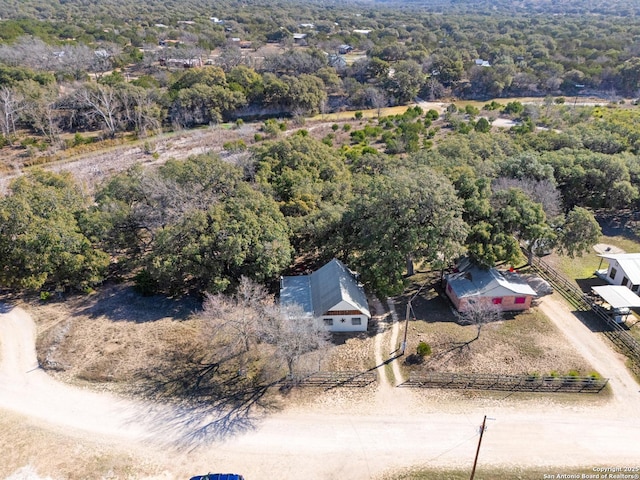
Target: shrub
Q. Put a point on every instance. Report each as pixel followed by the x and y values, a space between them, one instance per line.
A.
pixel 432 115
pixel 483 125
pixel 45 296
pixel 346 127
pixel 514 108
pixel 257 137
pixel 145 284
pixel 358 115
pixel 235 146
pixel 492 106
pixel 471 110
pixel 371 131
pixel 358 136
pixel 335 127
pixel 271 127
pixel 302 132
pixel 148 148
pixel 423 349
pixel 239 123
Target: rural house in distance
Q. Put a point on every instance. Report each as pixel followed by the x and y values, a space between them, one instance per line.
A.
pixel 331 296
pixel 471 284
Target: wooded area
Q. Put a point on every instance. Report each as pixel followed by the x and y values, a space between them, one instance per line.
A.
pixel 414 187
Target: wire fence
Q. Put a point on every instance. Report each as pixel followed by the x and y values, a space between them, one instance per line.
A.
pixel 508 383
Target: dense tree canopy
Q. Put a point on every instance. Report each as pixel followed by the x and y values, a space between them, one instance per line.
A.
pixel 416 186
pixel 41 239
pixel 408 214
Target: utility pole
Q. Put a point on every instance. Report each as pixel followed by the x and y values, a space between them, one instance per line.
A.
pixel 406 328
pixel 403 346
pixel 475 462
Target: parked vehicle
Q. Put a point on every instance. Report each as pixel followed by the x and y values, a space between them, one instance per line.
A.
pixel 218 476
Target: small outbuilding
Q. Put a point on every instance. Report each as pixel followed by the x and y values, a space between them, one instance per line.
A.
pixel 471 284
pixel 623 269
pixel 330 296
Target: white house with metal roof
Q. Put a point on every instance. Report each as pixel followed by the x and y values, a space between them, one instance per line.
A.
pixel 331 296
pixel 623 269
pixel 507 290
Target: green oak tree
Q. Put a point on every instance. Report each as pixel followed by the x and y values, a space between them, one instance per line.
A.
pixel 42 244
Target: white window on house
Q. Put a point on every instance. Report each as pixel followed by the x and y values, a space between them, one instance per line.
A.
pixel 613 273
pixel 328 322
pixel 634 288
pixel 356 321
pixel 625 281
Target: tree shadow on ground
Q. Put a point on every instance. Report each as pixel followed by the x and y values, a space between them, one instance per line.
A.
pixel 204 403
pixel 625 224
pixel 5 307
pixel 428 306
pixel 119 302
pixel 585 284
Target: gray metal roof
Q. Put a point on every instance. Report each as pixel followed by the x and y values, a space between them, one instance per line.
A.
pixel 474 281
pixel 617 296
pixel 628 262
pixel 325 288
pixel 296 291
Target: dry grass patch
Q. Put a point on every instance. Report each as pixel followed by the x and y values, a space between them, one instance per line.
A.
pixel 117 340
pixel 486 473
pixel 523 344
pixel 519 344
pixel 110 336
pixel 52 455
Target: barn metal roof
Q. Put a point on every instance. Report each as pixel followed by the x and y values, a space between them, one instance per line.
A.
pixel 324 289
pixel 629 263
pixel 617 296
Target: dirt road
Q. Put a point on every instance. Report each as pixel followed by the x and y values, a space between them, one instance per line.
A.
pixel 340 438
pixel 595 350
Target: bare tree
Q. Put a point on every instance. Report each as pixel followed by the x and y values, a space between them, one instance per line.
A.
pixel 479 314
pixel 543 192
pixel 41 110
pixel 376 98
pixel 102 103
pixel 238 317
pixel 140 110
pixel 11 103
pixel 230 57
pixel 294 335
pixel 103 59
